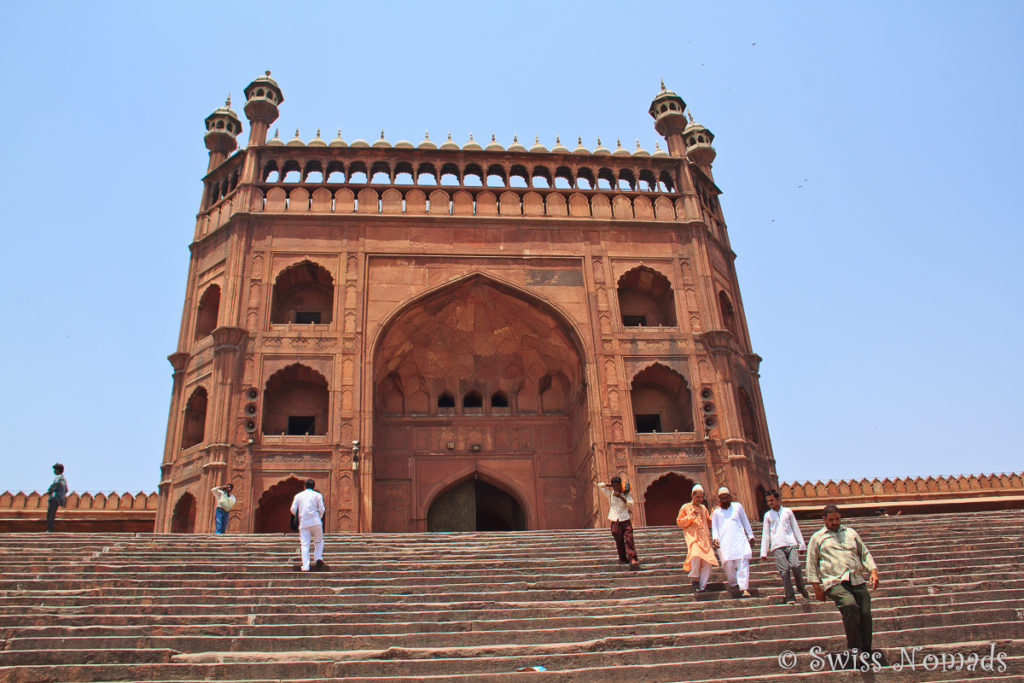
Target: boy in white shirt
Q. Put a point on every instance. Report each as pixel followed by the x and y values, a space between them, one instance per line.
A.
pixel 781 535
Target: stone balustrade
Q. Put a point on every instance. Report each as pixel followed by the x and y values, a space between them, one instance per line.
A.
pixel 396 181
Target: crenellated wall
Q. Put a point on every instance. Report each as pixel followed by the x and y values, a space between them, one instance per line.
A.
pixel 84 511
pixel 87 512
pixel 907 494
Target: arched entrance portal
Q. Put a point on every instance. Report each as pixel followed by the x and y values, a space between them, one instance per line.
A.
pixel 664 497
pixel 475 505
pixel 479 376
pixel 272 513
pixel 183 519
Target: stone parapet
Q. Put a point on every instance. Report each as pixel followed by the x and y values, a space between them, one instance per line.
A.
pixel 84 512
pixel 907 494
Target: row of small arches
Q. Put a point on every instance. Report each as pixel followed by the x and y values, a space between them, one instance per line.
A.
pixel 469 175
pixel 469 203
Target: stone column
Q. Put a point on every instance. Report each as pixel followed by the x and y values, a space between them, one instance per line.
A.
pixel 179 361
pixel 739 476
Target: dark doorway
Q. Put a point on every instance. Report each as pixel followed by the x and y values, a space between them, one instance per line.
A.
pixel 664 497
pixel 183 519
pixel 272 514
pixel 475 505
pixel 761 501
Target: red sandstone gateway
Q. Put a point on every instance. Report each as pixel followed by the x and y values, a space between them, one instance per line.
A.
pixel 454 337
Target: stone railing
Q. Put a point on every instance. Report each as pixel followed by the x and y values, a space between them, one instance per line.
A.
pixel 84 511
pixel 908 494
pixel 451 182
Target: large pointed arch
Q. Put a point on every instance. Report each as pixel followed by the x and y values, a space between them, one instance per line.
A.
pixel 458 346
pixel 554 310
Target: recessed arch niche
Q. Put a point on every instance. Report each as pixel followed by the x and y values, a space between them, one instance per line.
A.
pixel 475 339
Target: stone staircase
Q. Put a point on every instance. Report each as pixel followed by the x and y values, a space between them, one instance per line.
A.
pixel 482 606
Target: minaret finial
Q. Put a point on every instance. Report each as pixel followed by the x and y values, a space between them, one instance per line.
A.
pixel 662 85
pixel 492 138
pixel 227 102
pixel 317 133
pixel 599 142
pixel 296 132
pixel 579 141
pixel 690 114
pixel 638 143
pixel 268 72
pixel 618 142
pixel 536 139
pixel 449 135
pixel 515 138
pixel 471 137
pixel 426 135
pixel 557 140
pixel 277 132
pixel 339 132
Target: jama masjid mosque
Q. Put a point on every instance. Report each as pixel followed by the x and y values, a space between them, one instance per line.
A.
pixel 458 337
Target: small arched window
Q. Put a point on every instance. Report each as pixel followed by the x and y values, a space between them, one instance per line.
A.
pixel 206 313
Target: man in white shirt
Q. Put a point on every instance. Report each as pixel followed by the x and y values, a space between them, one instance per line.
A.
pixel 308 508
pixel 781 535
pixel 731 534
pixel 622 527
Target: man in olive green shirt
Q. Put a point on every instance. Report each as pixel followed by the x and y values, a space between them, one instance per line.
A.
pixel 836 560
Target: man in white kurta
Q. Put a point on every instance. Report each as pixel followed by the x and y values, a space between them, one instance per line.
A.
pixel 308 507
pixel 732 535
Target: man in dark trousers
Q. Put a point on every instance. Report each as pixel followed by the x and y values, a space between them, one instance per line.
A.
pixel 622 527
pixel 836 560
pixel 58 492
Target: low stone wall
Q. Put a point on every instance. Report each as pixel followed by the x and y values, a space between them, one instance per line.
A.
pixel 83 512
pixel 907 495
pixel 137 512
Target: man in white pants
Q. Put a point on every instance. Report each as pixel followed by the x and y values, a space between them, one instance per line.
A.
pixel 308 508
pixel 732 535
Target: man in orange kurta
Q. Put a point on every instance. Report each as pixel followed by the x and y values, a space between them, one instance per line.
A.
pixel 695 521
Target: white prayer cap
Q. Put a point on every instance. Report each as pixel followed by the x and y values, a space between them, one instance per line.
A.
pixel 723 490
pixel 696 487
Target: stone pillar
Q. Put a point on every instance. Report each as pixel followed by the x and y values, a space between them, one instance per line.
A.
pixel 739 476
pixel 179 361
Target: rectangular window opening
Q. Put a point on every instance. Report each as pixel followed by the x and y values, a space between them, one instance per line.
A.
pixel 307 317
pixel 634 320
pixel 646 424
pixel 301 424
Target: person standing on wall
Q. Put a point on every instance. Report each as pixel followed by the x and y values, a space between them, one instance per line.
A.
pixel 308 508
pixel 224 502
pixel 58 493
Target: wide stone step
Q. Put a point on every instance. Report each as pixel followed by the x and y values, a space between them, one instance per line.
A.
pixel 652 659
pixel 214 637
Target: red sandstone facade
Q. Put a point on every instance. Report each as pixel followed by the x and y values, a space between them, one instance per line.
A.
pixel 458 337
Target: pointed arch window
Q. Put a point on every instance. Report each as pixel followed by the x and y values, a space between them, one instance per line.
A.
pixel 646 299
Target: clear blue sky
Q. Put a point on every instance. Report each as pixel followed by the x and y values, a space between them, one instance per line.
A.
pixel 870 156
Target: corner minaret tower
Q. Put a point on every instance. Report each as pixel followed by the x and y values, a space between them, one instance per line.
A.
pixel 698 146
pixel 667 110
pixel 262 98
pixel 222 129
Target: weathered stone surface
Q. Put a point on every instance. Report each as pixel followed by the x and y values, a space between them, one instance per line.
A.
pixel 479 606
